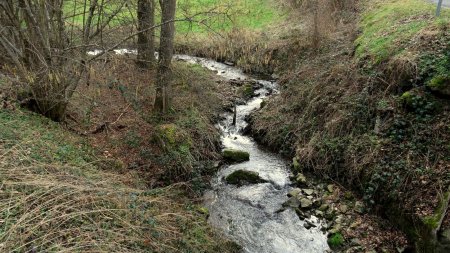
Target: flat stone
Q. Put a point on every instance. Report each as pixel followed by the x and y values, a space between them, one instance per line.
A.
pixel 305 203
pixel 294 192
pixel 235 155
pixel 309 224
pixel 308 191
pixel 292 202
pixel 243 177
pixel 302 215
pixel 319 213
pixel 324 207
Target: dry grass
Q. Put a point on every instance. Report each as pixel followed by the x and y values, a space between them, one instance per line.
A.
pixel 57 195
pixel 254 51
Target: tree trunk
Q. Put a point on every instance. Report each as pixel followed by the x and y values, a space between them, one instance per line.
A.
pixel 164 76
pixel 145 43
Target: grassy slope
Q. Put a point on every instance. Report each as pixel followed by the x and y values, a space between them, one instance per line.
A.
pixel 388 26
pixel 359 127
pixel 54 195
pixel 209 15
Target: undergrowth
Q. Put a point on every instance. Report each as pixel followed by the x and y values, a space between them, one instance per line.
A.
pixel 371 119
pixel 182 145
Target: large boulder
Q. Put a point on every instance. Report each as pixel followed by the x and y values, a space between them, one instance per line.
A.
pixel 235 155
pixel 243 177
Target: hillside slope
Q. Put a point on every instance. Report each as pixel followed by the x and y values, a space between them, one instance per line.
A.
pixel 369 108
pixel 57 194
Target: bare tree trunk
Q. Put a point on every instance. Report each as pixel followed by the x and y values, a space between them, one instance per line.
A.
pixel 145 42
pixel 164 77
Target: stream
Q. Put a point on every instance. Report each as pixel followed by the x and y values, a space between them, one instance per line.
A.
pixel 250 214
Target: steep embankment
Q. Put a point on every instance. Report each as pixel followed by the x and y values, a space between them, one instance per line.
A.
pixel 58 193
pixel 366 105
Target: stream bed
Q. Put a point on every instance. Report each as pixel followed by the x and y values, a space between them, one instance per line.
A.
pixel 250 214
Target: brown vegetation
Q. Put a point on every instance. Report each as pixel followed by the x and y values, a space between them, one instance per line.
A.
pixel 352 121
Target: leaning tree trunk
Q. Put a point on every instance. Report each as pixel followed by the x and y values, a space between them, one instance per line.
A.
pixel 164 76
pixel 145 43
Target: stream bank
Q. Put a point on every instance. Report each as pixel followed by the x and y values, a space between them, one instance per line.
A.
pixel 286 211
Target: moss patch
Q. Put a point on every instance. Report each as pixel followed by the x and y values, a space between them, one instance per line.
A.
pixel 242 177
pixel 440 84
pixel 335 241
pixel 235 155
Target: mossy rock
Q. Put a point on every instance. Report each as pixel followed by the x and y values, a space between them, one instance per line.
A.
pixel 335 241
pixel 407 98
pixel 440 85
pixel 243 177
pixel 235 155
pixel 247 91
pixel 417 101
pixel 171 134
pixel 263 104
pixel 203 210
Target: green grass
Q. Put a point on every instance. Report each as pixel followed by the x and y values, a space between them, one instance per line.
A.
pixel 216 15
pixel 253 14
pixel 42 139
pixel 388 25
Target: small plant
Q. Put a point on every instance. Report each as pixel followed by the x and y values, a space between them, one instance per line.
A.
pixel 336 240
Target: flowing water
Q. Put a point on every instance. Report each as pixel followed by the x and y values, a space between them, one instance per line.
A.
pixel 249 214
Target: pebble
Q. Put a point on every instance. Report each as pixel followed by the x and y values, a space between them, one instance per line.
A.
pixel 305 203
pixel 294 192
pixel 308 191
pixel 309 224
pixel 330 188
